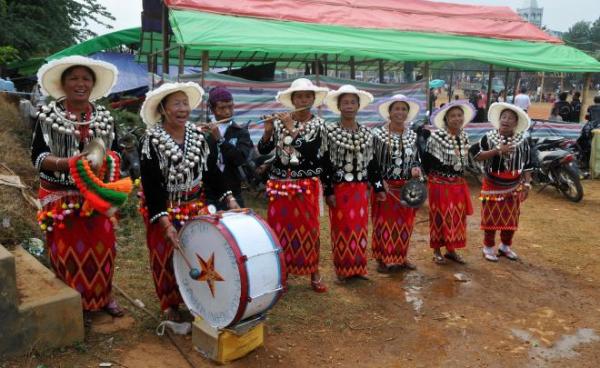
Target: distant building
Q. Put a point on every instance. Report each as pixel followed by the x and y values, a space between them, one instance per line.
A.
pixel 531 12
pixel 557 34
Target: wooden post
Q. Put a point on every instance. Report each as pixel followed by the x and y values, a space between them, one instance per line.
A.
pixel 489 89
pixel 352 68
pixel 381 72
pixel 337 68
pixel 562 81
pixel 517 85
pixel 181 61
pixel 587 79
pixel 317 69
pixel 450 97
pixel 542 81
pixel 426 76
pixel 165 40
pixel 203 78
pixel 506 84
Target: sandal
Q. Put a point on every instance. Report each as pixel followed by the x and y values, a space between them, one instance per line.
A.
pixel 383 268
pixel 488 254
pixel 437 258
pixel 453 256
pixel 408 266
pixel 505 251
pixel 318 286
pixel 113 309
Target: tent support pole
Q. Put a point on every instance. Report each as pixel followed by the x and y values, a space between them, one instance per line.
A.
pixel 426 77
pixel 450 85
pixel 381 75
pixel 562 81
pixel 587 80
pixel 317 70
pixel 489 88
pixel 352 68
pixel 506 73
pixel 203 79
pixel 165 40
pixel 517 84
pixel 181 59
pixel 542 82
pixel 337 65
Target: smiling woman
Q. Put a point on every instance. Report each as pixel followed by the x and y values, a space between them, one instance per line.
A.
pixel 81 241
pixel 177 164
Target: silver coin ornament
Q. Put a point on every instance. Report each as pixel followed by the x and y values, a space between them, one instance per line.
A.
pixel 348 176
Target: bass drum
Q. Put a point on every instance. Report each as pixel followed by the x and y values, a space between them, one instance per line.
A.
pixel 242 272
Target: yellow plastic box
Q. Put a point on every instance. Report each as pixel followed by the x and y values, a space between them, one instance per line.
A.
pixel 226 345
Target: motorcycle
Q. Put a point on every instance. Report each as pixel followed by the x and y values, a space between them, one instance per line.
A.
pixel 555 166
pixel 130 159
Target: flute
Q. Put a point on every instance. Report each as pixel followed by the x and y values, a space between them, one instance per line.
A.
pixel 226 120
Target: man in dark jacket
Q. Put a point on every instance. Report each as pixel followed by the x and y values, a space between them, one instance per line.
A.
pixel 233 141
pixel 562 107
pixel 575 107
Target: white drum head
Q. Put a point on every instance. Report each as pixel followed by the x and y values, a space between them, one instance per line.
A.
pixel 215 296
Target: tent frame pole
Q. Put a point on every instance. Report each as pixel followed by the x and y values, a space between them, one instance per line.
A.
pixel 352 68
pixel 165 39
pixel 506 73
pixel 181 62
pixel 426 77
pixel 587 80
pixel 489 88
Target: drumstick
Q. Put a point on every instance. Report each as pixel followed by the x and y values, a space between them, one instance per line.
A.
pixel 194 272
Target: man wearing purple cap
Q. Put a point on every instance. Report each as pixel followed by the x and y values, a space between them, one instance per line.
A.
pixel 233 142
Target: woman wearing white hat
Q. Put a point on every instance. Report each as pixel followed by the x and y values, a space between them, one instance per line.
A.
pixel 177 162
pixel 506 156
pixel 349 166
pixel 79 241
pixel 444 161
pixel 294 186
pixel 398 159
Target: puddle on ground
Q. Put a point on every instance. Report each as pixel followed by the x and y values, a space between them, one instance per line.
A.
pixel 563 348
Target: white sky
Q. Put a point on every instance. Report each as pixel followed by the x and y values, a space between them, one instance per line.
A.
pixel 558 15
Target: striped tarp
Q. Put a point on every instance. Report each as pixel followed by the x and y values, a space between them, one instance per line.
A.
pixel 255 99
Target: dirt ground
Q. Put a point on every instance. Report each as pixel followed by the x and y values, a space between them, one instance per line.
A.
pixel 541 311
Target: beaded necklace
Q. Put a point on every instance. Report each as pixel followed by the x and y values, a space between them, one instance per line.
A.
pixel 511 161
pixel 63 133
pixel 178 163
pixel 349 150
pixel 449 149
pixel 395 152
pixel 289 155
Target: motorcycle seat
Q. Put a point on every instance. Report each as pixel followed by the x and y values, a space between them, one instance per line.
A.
pixel 552 155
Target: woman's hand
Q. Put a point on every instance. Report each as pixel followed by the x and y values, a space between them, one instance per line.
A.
pixel 505 148
pixel 415 172
pixel 169 231
pixel 330 200
pixel 268 127
pixel 232 203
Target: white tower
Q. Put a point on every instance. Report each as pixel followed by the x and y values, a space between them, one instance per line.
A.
pixel 531 12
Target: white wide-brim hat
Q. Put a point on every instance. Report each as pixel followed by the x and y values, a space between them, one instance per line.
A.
pixel 364 97
pixel 437 118
pixel 301 84
pixel 149 111
pixel 496 110
pixel 413 107
pixel 49 76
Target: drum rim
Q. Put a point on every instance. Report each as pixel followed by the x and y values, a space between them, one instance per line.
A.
pixel 280 258
pixel 243 303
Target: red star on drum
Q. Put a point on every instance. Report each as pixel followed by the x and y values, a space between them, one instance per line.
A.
pixel 209 274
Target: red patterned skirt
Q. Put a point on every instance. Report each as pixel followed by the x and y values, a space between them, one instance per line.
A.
pixel 449 206
pixel 349 229
pixel 392 226
pixel 81 246
pixel 293 213
pixel 161 252
pixel 500 205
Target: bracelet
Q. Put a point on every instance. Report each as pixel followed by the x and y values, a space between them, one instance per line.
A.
pixel 227 193
pixel 157 216
pixel 40 159
pixel 528 185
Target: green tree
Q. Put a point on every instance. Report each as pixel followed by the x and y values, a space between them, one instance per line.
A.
pixel 595 34
pixel 578 36
pixel 39 27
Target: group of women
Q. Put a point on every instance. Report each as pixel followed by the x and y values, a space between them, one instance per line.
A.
pixel 354 165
